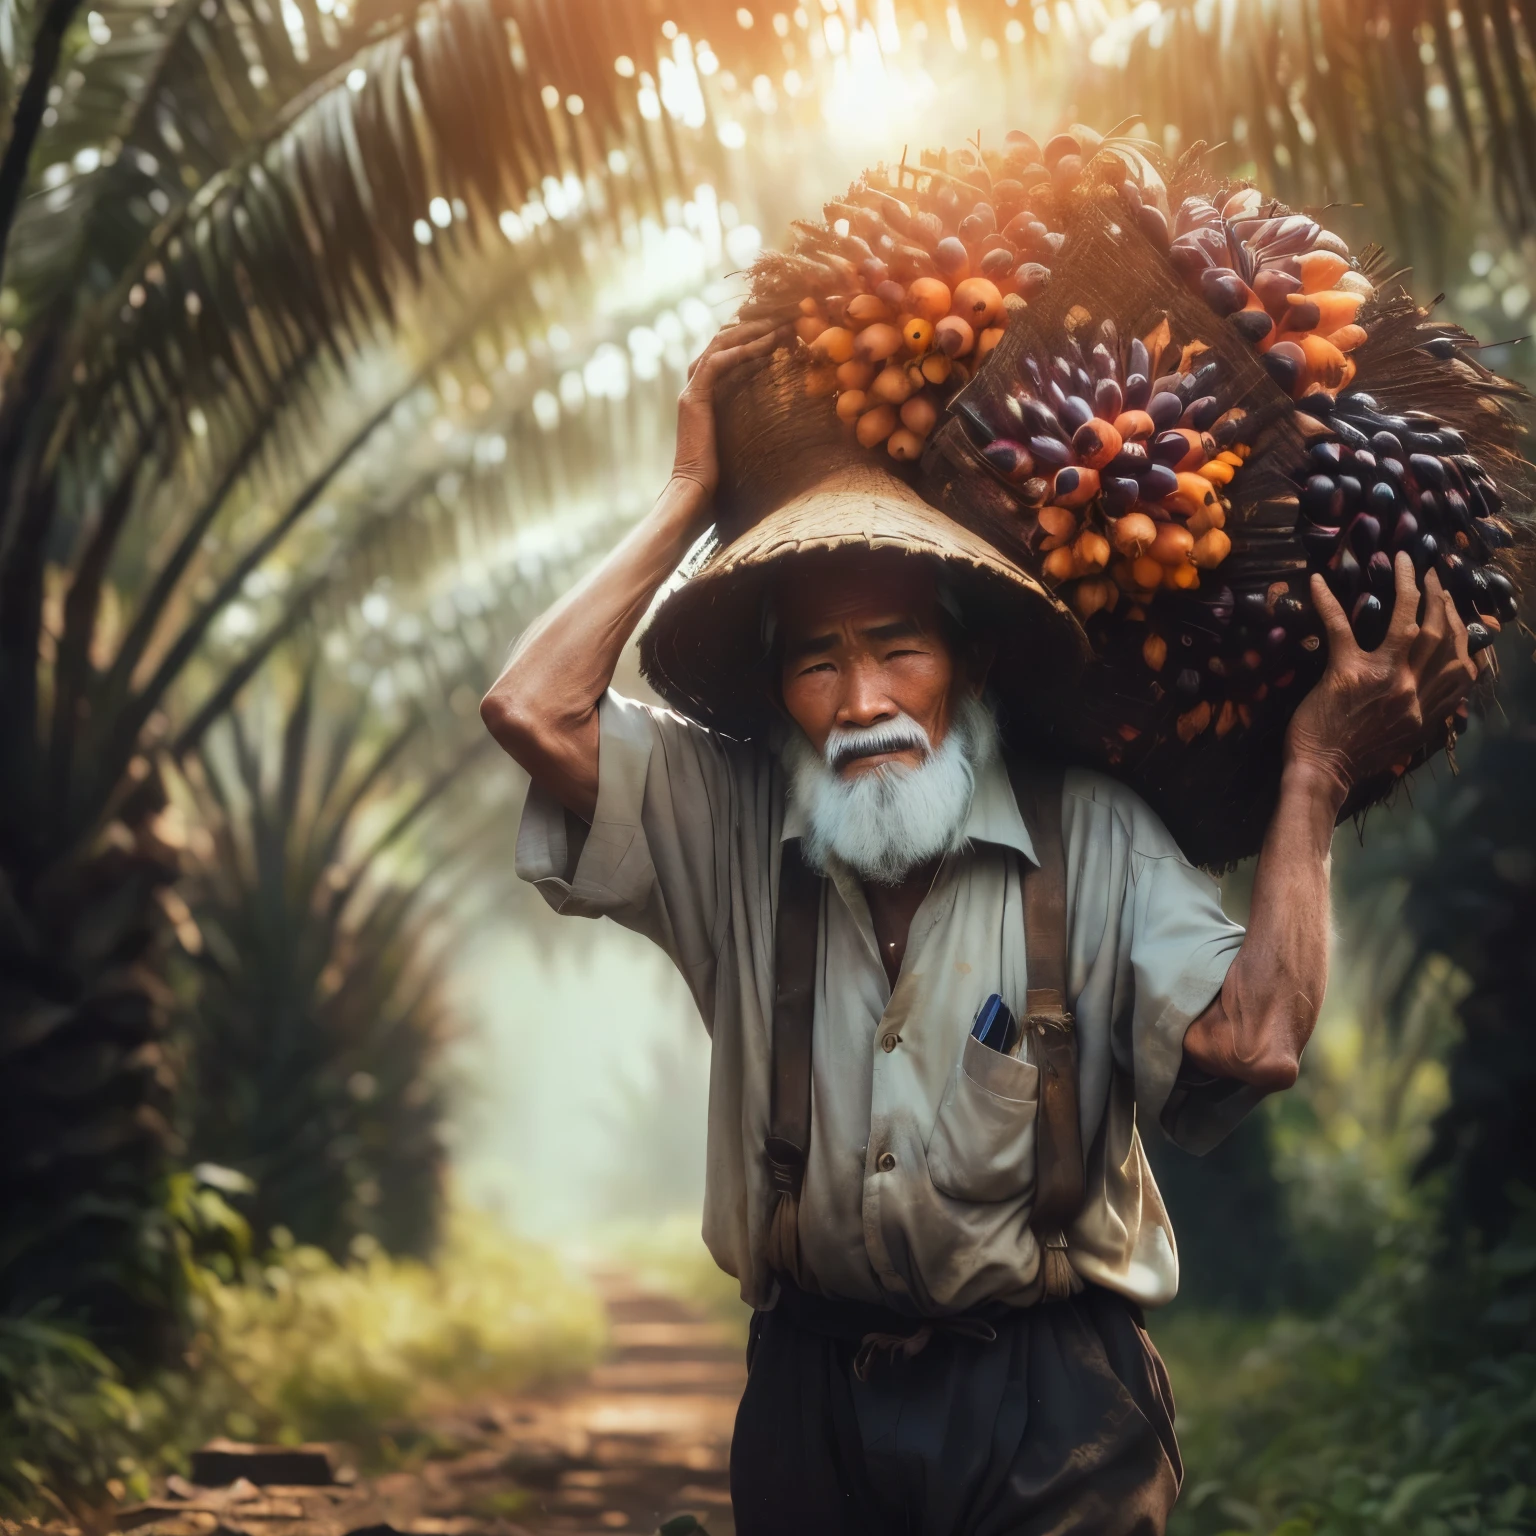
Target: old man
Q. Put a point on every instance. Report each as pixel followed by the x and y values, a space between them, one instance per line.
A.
pixel 948 988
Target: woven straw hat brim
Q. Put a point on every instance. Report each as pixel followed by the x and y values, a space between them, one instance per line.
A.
pixel 705 653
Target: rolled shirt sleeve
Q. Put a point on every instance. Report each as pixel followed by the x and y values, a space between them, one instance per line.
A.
pixel 656 855
pixel 1182 945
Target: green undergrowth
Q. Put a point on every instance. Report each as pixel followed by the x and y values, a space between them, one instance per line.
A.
pixel 299 1348
pixel 1409 1408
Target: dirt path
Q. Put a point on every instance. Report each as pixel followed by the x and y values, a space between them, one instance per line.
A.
pixel 646 1437
pixel 641 1440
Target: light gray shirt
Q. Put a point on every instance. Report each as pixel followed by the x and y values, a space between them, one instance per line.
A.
pixel 920 1180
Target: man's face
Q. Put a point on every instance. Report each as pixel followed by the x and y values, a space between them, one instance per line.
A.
pixel 862 645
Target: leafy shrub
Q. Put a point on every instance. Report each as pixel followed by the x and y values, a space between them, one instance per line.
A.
pixel 321 1351
pixel 1409 1409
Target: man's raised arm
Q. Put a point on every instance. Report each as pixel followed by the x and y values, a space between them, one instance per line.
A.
pixel 1366 715
pixel 543 707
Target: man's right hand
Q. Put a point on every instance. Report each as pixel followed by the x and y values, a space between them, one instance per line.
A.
pixel 698 457
pixel 543 709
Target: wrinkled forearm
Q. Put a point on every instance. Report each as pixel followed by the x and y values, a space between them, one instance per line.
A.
pixel 543 707
pixel 1256 1029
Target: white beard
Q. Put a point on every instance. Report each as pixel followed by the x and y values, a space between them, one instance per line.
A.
pixel 886 821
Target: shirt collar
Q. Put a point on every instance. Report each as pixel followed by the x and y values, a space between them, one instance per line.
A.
pixel 993 817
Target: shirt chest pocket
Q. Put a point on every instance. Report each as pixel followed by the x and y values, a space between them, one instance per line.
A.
pixel 983 1142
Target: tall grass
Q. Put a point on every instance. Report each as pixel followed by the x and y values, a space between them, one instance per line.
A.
pixel 297 1348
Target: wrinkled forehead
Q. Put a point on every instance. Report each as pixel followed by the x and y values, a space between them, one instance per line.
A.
pixel 816 593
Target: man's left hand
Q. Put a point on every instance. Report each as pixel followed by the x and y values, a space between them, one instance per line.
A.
pixel 1373 710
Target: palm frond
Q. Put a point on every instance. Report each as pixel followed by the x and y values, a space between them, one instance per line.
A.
pixel 156 99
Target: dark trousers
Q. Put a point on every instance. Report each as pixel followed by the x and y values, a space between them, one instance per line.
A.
pixel 1061 1424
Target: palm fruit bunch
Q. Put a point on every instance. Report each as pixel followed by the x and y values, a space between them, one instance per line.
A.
pixel 911 284
pixel 1282 280
pixel 1172 399
pixel 1125 462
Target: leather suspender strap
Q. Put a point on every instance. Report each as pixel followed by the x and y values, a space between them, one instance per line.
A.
pixel 1060 1185
pixel 794 1001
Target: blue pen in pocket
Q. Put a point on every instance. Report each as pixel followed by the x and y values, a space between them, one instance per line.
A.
pixel 995 1025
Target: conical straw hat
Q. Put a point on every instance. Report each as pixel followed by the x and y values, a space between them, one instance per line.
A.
pixel 795 486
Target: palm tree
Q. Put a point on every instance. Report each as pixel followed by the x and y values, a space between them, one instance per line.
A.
pixel 226 211
pixel 314 1034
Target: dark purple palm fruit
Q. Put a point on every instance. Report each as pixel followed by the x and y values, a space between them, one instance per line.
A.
pixel 1402 481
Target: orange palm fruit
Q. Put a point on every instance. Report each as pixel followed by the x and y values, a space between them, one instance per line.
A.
pixel 1211 548
pixel 919 414
pixel 929 299
pixel 1194 721
pixel 917 333
pixel 1121 574
pixel 1147 571
pixel 892 385
pixel 978 301
pixel 1182 578
pixel 1226 717
pixel 1059 564
pixel 875 425
pixel 1217 472
pixel 855 375
pixel 988 339
pixel 866 308
pixel 1208 517
pixel 1194 493
pixel 809 327
pixel 1092 596
pixel 852 404
pixel 833 345
pixel 1194 455
pixel 937 367
pixel 1320 270
pixel 1348 337
pixel 1335 308
pixel 1172 544
pixel 875 343
pixel 1134 426
pixel 953 336
pixel 1096 443
pixel 1059 526
pixel 904 445
pixel 1092 550
pixel 809 307
pixel 1154 651
pixel 1325 363
pixel 1076 485
pixel 1133 534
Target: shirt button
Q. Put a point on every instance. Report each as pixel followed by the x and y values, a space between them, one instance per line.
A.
pixel 885 1162
pixel 890 1042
